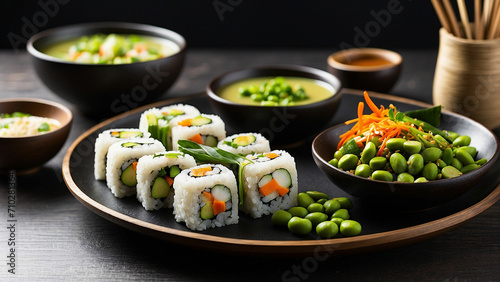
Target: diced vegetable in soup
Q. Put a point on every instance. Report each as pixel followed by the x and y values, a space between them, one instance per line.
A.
pixel 112 49
pixel 277 91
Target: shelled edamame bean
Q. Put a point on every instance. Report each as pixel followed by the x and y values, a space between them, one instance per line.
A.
pixel 317 211
pixel 411 161
pixel 274 92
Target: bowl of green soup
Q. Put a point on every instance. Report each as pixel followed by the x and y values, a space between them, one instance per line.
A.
pixel 286 104
pixel 110 67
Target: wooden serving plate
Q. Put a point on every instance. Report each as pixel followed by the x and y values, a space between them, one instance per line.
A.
pixel 382 228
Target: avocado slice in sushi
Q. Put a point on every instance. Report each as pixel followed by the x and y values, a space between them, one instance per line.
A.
pixel 244 140
pixel 127 134
pixel 199 121
pixel 160 188
pixel 130 144
pixel 129 176
pixel 174 171
pixel 207 211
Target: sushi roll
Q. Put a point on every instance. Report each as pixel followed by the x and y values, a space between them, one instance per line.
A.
pixel 121 163
pixel 203 129
pixel 157 121
pixel 245 143
pixel 206 196
pixel 270 183
pixel 155 176
pixel 106 139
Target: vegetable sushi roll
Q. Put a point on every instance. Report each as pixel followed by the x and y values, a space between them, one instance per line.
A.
pixel 121 163
pixel 203 129
pixel 270 183
pixel 245 143
pixel 157 121
pixel 155 176
pixel 106 139
pixel 206 196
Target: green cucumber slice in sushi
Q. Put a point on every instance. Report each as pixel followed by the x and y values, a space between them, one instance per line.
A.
pixel 130 134
pixel 199 121
pixel 130 144
pixel 207 211
pixel 244 140
pixel 152 125
pixel 283 177
pixel 211 141
pixel 221 193
pixel 160 188
pixel 265 179
pixel 129 176
pixel 174 171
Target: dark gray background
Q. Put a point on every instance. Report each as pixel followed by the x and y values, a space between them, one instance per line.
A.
pixel 241 23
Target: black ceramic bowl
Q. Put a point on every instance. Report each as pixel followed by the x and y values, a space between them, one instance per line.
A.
pixel 283 126
pixel 27 153
pixel 105 90
pixel 411 196
pixel 380 78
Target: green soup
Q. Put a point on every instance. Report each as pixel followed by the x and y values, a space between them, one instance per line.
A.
pixel 315 90
pixel 112 49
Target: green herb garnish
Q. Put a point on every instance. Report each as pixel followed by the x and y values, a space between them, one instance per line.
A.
pixel 44 127
pixel 207 154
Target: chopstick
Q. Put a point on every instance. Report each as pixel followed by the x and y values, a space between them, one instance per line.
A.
pixel 441 15
pixel 465 18
pixel 478 20
pixel 486 19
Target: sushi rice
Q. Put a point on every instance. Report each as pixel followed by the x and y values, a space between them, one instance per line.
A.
pixel 245 143
pixel 189 192
pixel 107 138
pixel 211 127
pixel 281 167
pixel 121 156
pixel 148 169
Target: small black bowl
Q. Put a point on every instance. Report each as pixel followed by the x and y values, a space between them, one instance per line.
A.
pixel 284 126
pixel 409 196
pixel 104 90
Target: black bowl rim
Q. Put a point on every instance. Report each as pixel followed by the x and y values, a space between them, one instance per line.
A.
pixel 364 69
pixel 319 74
pixel 178 39
pixel 480 170
pixel 39 101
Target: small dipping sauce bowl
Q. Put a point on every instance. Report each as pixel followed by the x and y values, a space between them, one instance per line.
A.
pixel 366 68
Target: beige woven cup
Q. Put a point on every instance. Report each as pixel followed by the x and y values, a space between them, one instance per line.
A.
pixel 467 78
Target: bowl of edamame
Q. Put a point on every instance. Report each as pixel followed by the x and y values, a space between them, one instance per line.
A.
pixel 285 103
pixel 415 169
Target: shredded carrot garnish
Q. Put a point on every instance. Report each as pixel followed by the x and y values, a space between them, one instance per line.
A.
pixel 197 139
pixel 271 155
pixel 134 165
pixel 185 122
pixel 201 171
pixel 218 207
pixel 378 123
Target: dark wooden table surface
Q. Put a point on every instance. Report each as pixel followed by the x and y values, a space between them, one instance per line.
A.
pixel 58 238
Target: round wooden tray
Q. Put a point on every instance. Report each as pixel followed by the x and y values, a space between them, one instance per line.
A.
pixel 382 228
